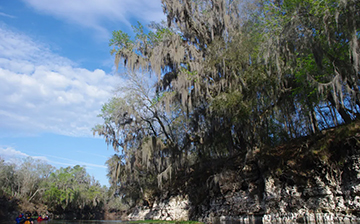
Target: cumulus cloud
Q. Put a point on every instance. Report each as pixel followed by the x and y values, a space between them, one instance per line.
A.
pixel 11 152
pixel 44 92
pixel 95 13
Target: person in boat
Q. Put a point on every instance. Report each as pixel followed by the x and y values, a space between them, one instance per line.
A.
pixel 19 218
pixel 27 219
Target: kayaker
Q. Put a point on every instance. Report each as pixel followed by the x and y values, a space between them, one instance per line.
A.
pixel 19 218
pixel 27 219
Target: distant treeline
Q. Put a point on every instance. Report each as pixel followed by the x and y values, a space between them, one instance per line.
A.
pixel 36 186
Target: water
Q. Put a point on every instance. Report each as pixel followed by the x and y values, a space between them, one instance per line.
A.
pixel 81 222
pixel 72 222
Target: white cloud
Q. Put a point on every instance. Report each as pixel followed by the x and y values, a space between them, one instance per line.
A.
pixel 44 92
pixel 11 152
pixel 95 13
pixel 12 155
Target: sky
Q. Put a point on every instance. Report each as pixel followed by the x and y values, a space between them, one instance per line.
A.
pixel 56 72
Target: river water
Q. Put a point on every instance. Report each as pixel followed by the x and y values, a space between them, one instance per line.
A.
pixel 72 222
pixel 105 222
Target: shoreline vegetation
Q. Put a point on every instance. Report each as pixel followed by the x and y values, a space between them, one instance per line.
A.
pixel 331 146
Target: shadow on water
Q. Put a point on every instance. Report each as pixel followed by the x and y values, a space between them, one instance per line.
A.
pixel 79 222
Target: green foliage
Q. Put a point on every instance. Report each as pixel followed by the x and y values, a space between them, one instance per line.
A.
pixel 156 37
pixel 61 190
pixel 120 39
pixel 71 189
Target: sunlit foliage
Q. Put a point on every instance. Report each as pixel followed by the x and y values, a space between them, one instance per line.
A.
pixel 34 183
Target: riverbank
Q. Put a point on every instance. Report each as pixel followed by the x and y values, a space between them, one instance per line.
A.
pixel 310 179
pixel 315 178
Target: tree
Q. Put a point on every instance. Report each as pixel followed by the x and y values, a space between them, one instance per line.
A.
pixel 7 176
pixel 72 189
pixel 231 77
pixel 318 53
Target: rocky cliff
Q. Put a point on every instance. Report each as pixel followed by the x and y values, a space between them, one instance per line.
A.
pixel 313 179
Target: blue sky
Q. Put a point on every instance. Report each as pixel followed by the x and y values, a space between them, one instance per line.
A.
pixel 55 74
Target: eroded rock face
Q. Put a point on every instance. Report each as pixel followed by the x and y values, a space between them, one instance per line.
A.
pixel 296 189
pixel 176 208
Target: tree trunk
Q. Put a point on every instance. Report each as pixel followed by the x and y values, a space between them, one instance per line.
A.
pixel 340 108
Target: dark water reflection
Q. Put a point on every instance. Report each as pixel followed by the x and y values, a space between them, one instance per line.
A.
pixel 73 222
pixel 82 222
